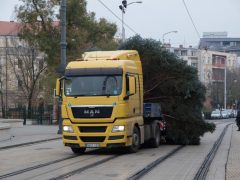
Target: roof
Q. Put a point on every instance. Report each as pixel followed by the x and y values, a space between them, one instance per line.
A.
pixel 12 28
pixel 108 59
pixel 9 28
pixel 106 55
pixel 219 39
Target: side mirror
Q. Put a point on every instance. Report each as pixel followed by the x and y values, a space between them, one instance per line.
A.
pixel 58 88
pixel 132 85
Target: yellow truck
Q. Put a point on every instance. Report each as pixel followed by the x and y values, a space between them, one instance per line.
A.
pixel 102 103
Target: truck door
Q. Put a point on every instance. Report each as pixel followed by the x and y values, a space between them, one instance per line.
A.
pixel 134 100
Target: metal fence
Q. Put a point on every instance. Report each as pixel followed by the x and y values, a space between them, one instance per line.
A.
pixel 38 115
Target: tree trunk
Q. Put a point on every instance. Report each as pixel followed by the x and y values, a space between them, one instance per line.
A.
pixel 3 108
pixel 29 110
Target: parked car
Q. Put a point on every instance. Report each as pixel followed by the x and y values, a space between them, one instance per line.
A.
pixel 225 114
pixel 216 114
pixel 230 113
pixel 234 113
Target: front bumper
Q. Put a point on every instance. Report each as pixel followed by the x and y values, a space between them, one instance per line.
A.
pixel 96 135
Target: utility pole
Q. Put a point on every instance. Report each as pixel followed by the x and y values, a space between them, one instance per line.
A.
pixel 225 84
pixel 63 46
pixel 63 43
pixel 6 85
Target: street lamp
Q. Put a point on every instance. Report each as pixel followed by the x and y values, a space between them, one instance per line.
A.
pixel 123 8
pixel 166 34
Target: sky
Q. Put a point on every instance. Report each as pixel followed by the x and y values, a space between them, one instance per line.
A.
pixel 153 18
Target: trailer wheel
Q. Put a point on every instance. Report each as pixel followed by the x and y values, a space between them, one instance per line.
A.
pixel 78 150
pixel 155 142
pixel 135 141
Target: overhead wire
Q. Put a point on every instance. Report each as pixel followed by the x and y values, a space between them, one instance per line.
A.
pixel 198 34
pixel 117 16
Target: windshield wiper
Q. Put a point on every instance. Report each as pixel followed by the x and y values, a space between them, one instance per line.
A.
pixel 78 95
pixel 108 95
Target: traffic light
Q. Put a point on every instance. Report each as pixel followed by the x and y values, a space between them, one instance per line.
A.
pixel 122 8
pixel 124 3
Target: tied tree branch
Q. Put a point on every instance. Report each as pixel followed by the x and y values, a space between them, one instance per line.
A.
pixel 158 84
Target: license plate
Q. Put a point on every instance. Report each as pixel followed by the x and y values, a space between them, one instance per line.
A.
pixel 92 145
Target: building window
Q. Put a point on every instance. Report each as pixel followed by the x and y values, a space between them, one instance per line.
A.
pixel 183 53
pixel 233 43
pixel 194 65
pixel 226 43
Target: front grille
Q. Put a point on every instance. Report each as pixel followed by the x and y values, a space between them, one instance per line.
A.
pixel 70 137
pixel 92 129
pixel 92 112
pixel 92 138
pixel 115 137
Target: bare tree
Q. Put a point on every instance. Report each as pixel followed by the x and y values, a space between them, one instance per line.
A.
pixel 28 66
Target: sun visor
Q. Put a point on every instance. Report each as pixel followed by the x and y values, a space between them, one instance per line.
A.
pixel 93 71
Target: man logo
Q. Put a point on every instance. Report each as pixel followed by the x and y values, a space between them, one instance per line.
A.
pixel 92 112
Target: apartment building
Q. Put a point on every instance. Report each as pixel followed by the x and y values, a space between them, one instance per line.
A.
pixel 219 41
pixel 210 64
pixel 211 67
pixel 15 54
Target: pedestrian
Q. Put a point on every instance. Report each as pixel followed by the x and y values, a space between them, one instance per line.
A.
pixel 238 120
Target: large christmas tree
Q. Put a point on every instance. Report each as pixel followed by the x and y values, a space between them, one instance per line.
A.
pixel 175 85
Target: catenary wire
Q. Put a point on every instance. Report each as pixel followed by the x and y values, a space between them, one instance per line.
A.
pixel 191 19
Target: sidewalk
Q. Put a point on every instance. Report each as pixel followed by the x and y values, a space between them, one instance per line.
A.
pixel 233 165
pixel 31 133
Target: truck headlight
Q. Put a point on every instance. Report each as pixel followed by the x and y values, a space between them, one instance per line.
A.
pixel 68 129
pixel 118 128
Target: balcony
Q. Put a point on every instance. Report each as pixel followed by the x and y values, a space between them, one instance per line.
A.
pixel 220 66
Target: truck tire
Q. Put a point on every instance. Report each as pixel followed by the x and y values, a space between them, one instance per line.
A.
pixel 155 142
pixel 135 141
pixel 78 150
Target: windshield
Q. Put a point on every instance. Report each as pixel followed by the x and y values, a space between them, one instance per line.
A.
pixel 107 85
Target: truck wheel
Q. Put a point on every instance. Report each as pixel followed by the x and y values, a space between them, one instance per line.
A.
pixel 135 141
pixel 78 150
pixel 155 142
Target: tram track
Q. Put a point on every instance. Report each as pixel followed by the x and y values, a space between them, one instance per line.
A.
pixel 28 143
pixel 202 172
pixel 35 167
pixel 63 176
pixel 152 165
pixel 80 170
pixel 200 175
